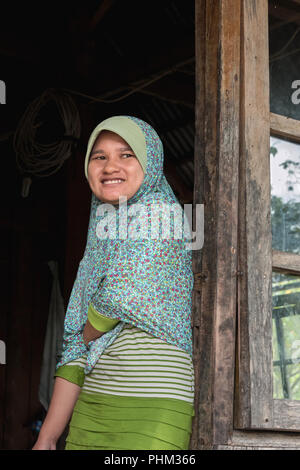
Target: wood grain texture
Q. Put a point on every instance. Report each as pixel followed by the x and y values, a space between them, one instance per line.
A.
pixel 288 263
pixel 216 173
pixel 287 415
pixel 285 127
pixel 267 439
pixel 254 387
pixel 260 440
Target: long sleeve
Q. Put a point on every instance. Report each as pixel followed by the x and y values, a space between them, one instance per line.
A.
pixel 74 370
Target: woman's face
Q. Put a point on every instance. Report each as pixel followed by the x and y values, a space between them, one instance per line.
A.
pixel 113 168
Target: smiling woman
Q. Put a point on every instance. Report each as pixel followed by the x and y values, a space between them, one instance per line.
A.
pixel 126 361
pixel 113 169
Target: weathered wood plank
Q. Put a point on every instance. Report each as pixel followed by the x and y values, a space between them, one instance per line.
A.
pixel 254 378
pixel 288 263
pixel 287 415
pixel 258 439
pixel 285 127
pixel 199 194
pixel 216 186
pixel 229 447
pixel 227 217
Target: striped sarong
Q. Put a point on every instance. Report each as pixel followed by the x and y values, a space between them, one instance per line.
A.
pixel 138 396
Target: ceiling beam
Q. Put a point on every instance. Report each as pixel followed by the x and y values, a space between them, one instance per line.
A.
pixel 105 6
pixel 141 68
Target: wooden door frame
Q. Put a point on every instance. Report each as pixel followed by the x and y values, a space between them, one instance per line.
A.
pixel 232 303
pixel 216 186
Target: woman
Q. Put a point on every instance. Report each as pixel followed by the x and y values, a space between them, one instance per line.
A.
pixel 126 374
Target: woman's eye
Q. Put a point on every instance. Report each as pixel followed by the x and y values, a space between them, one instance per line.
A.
pixel 102 157
pixel 128 155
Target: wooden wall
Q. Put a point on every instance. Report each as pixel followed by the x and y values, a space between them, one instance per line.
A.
pixel 50 224
pixel 34 234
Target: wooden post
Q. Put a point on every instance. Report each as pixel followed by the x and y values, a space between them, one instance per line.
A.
pixel 216 186
pixel 254 403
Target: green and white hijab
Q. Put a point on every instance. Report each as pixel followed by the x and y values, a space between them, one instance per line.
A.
pixel 140 280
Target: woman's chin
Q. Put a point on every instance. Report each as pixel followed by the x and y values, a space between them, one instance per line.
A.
pixel 109 198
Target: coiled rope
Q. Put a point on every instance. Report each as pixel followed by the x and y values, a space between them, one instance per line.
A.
pixel 44 159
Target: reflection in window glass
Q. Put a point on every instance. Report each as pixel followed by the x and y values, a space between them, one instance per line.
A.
pixel 286 336
pixel 285 195
pixel 284 50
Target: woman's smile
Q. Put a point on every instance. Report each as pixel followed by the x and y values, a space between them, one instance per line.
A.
pixel 112 182
pixel 113 170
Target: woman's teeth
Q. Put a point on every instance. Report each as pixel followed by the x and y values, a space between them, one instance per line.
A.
pixel 112 181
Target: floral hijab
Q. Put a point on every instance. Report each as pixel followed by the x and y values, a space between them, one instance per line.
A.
pixel 137 279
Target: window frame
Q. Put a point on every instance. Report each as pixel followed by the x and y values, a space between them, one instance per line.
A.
pixel 286 411
pixel 232 137
pixel 255 407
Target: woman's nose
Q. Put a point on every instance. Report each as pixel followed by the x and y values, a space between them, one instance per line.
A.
pixel 111 164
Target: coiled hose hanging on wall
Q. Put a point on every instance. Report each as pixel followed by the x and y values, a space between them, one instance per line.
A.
pixel 44 159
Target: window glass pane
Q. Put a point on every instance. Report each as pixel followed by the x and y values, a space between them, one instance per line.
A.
pixel 286 336
pixel 285 195
pixel 284 48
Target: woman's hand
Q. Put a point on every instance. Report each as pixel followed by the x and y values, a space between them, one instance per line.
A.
pixel 90 333
pixel 44 444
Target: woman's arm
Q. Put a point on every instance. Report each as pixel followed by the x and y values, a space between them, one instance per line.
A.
pixel 96 325
pixel 90 333
pixel 63 400
pixel 65 392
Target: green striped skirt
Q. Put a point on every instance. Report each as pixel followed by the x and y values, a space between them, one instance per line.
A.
pixel 102 421
pixel 139 396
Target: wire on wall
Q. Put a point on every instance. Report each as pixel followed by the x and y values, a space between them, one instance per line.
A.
pixel 136 87
pixel 44 159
